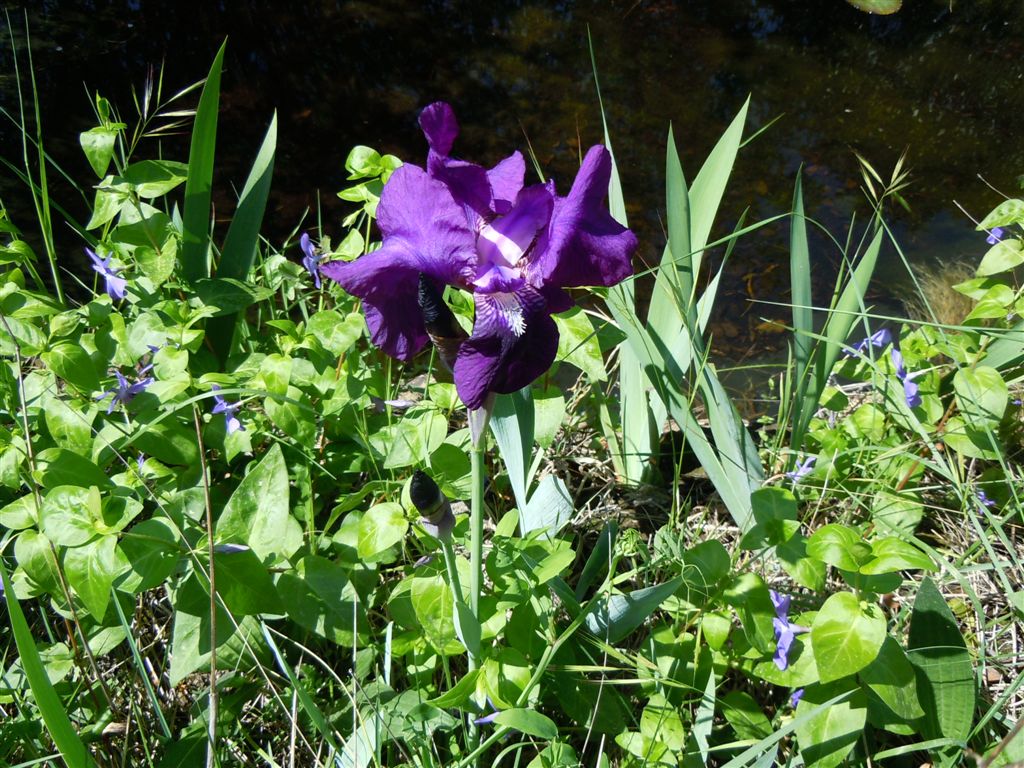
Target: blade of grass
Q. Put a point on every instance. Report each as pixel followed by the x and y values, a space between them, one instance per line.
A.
pixel 308 705
pixel 243 235
pixel 54 717
pixel 40 194
pixel 196 217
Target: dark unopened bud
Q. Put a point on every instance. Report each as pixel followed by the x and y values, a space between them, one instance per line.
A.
pixel 434 508
pixel 442 327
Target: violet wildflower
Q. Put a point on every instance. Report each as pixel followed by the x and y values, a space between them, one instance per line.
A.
pixel 114 284
pixel 795 698
pixel 785 631
pixel 311 259
pixel 515 248
pixel 488 719
pixel 126 391
pixel 879 339
pixel 910 388
pixel 994 235
pixel 984 499
pixel 232 423
pixel 803 469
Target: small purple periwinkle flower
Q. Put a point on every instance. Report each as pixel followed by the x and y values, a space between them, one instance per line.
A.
pixel 785 631
pixel 232 423
pixel 113 283
pixel 125 391
pixel 994 235
pixel 488 719
pixel 311 259
pixel 984 499
pixel 514 247
pixel 803 469
pixel 910 388
pixel 795 698
pixel 879 339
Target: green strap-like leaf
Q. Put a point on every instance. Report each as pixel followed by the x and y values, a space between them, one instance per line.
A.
pixel 802 298
pixel 945 676
pixel 244 234
pixel 196 217
pixel 57 723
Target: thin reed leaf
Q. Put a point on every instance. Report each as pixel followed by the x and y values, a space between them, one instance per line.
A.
pixel 243 235
pixel 196 217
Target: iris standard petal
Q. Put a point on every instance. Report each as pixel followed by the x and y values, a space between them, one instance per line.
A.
pixel 439 126
pixel 467 182
pixel 495 358
pixel 506 240
pixel 583 244
pixel 506 180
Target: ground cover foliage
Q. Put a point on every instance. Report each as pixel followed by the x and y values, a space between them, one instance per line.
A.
pixel 210 554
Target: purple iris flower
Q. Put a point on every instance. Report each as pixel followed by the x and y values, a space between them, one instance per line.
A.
pixel 515 248
pixel 803 469
pixel 232 423
pixel 994 236
pixel 125 390
pixel 910 389
pixel 785 632
pixel 879 339
pixel 311 259
pixel 114 284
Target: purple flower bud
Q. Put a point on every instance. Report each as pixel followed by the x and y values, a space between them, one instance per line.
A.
pixel 311 259
pixel 795 698
pixel 435 510
pixel 994 235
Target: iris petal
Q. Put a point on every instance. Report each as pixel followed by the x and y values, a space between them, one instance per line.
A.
pixel 584 245
pixel 495 359
pixel 425 232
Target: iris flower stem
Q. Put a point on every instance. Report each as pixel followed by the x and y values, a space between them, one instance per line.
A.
pixel 476 553
pixel 476 523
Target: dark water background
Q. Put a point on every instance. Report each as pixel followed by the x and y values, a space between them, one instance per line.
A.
pixel 944 81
